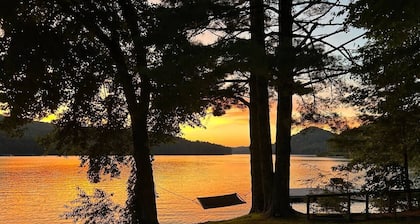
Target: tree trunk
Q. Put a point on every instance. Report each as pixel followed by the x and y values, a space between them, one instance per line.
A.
pixel 255 154
pixel 260 148
pixel 266 155
pixel 281 202
pixel 144 194
pixel 144 198
pixel 286 57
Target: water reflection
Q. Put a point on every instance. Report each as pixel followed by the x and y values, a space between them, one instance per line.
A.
pixel 33 190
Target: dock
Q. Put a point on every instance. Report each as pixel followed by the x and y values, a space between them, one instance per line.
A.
pixel 298 195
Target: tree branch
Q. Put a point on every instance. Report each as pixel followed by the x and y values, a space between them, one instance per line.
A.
pixel 315 70
pixel 242 100
pixel 232 81
pixel 320 2
pixel 318 80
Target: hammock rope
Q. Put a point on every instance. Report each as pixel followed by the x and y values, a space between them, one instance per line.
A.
pixel 213 201
pixel 178 195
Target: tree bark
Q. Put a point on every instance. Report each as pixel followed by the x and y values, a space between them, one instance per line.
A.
pixel 144 198
pixel 143 207
pixel 255 155
pixel 286 55
pixel 281 203
pixel 260 148
pixel 265 142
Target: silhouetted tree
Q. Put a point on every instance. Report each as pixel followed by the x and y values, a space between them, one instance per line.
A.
pixel 290 52
pixel 259 116
pixel 106 68
pixel 387 91
pixel 304 62
pixel 388 69
pixel 242 49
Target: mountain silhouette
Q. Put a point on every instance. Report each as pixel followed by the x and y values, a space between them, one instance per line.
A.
pixel 27 144
pixel 309 141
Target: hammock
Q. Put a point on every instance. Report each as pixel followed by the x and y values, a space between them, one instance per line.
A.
pixel 220 201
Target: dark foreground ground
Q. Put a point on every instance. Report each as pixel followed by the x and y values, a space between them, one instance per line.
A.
pixel 405 217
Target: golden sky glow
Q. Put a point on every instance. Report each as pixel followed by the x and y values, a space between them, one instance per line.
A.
pixel 232 129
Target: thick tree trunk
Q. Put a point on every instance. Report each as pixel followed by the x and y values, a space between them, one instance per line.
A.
pixel 144 194
pixel 266 155
pixel 281 202
pixel 144 198
pixel 260 148
pixel 261 156
pixel 255 154
pixel 286 55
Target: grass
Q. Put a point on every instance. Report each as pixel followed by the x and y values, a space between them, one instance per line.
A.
pixel 260 219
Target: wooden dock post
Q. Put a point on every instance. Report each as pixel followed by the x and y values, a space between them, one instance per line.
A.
pixel 367 205
pixel 308 204
pixel 349 206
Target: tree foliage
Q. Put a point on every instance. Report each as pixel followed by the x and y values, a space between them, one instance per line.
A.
pixel 96 208
pixel 112 72
pixel 390 60
pixel 378 149
pixel 387 91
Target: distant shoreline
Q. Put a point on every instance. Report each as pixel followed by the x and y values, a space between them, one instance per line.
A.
pixel 300 155
pixel 310 141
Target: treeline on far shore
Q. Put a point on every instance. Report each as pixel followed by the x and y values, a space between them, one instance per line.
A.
pixel 27 144
pixel 310 141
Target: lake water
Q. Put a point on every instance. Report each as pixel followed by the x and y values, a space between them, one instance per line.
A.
pixel 34 190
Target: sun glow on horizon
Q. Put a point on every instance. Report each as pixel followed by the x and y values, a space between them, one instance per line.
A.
pixel 230 129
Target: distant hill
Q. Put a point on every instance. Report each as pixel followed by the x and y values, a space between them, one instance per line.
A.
pixel 240 150
pixel 27 144
pixel 185 147
pixel 310 141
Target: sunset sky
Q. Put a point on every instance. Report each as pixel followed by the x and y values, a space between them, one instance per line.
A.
pixel 232 129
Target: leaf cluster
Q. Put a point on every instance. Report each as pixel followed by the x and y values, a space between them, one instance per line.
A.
pixel 386 90
pixel 390 60
pixel 378 150
pixel 95 208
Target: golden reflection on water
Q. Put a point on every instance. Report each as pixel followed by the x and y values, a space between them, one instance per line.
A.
pixel 305 171
pixel 179 180
pixel 34 190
